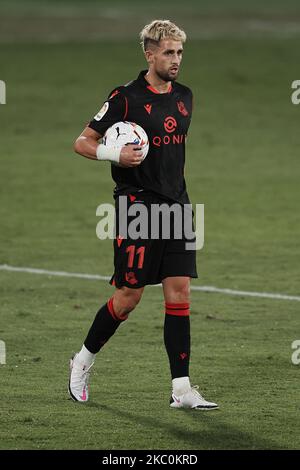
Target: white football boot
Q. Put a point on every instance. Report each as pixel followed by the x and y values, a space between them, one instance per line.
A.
pixel 192 399
pixel 79 378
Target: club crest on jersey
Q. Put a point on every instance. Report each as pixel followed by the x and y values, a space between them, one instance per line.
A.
pixel 182 109
pixel 102 111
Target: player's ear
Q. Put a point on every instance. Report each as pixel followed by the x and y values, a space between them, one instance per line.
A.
pixel 149 55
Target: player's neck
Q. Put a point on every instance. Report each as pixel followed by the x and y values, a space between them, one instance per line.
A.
pixel 156 82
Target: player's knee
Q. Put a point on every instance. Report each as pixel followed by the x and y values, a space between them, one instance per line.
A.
pixel 181 294
pixel 125 301
pixel 130 301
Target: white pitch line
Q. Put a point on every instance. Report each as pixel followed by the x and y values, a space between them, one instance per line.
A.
pixel 97 277
pixel 267 295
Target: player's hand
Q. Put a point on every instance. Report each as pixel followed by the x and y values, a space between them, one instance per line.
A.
pixel 130 156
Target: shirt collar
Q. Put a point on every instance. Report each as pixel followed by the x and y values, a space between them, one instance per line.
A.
pixel 145 83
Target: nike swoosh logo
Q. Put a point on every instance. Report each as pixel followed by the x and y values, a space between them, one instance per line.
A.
pixel 83 396
pixel 176 399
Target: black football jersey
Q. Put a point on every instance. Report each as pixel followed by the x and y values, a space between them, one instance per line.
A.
pixel 166 118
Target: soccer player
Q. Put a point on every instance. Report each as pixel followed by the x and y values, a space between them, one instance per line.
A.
pixel 163 107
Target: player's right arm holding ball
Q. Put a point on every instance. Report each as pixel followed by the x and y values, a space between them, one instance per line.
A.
pixel 87 144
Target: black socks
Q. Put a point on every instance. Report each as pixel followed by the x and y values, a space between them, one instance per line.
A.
pixel 103 327
pixel 177 338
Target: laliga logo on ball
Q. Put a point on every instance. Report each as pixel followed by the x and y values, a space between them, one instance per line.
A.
pixel 170 124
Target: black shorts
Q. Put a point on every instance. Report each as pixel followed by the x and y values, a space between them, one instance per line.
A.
pixel 148 260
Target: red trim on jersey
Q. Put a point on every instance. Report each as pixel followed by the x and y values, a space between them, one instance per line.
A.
pixel 114 94
pixel 179 309
pixel 126 108
pixel 154 90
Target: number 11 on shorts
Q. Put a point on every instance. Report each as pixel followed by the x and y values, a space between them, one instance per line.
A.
pixel 140 252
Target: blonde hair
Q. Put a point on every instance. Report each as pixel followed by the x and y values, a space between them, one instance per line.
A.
pixel 157 30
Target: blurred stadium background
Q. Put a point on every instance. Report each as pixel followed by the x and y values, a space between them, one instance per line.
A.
pixel 59 60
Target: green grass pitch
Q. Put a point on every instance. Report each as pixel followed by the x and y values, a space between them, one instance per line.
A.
pixel 242 163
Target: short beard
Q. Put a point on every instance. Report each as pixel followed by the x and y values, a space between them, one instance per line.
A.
pixel 165 77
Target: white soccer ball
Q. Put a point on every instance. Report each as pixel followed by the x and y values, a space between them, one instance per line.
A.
pixel 125 132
